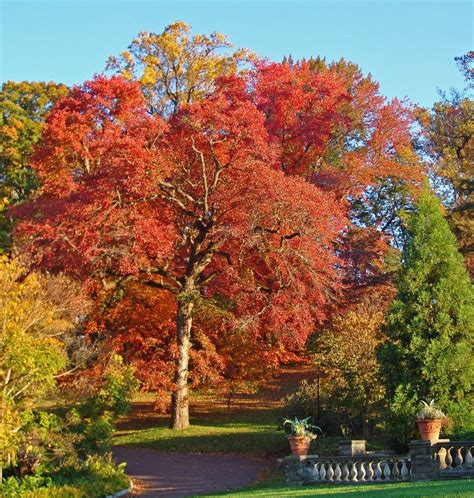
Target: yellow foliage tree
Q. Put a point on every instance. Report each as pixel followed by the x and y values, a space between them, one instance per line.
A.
pixel 175 67
pixel 346 355
pixel 37 315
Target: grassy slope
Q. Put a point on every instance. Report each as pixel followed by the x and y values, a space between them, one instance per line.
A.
pixel 250 427
pixel 464 489
pixel 211 435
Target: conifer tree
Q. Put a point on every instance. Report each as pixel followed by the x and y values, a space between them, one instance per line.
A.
pixel 430 325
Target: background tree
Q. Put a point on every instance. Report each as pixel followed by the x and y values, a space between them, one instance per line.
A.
pixel 430 326
pixel 466 66
pixel 174 67
pixel 333 126
pixel 450 146
pixel 23 108
pixel 346 357
pixel 330 124
pixel 447 143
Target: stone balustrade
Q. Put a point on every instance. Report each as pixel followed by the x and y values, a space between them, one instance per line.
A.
pixel 340 469
pixel 454 458
pixel 426 460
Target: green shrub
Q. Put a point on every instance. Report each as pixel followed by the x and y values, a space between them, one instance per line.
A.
pixel 332 418
pixel 303 402
pixel 14 486
pixel 69 446
pixel 97 476
pixel 61 492
pixel 94 478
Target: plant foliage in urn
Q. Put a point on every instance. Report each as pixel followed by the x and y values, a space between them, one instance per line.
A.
pixel 430 419
pixel 300 432
pixel 430 411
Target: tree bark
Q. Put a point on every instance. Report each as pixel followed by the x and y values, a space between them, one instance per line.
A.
pixel 365 422
pixel 180 395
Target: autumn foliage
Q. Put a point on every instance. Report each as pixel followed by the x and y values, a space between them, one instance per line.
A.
pixel 195 205
pixel 346 358
pixel 213 222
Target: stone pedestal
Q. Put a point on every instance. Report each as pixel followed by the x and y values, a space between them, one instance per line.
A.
pixel 293 467
pixel 423 467
pixel 352 447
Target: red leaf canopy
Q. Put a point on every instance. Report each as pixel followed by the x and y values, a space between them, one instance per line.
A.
pixel 127 195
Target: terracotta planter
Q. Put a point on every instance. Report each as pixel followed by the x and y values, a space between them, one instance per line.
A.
pixel 299 445
pixel 429 428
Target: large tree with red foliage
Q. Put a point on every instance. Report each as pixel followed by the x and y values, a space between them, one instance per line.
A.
pixel 325 122
pixel 329 124
pixel 197 205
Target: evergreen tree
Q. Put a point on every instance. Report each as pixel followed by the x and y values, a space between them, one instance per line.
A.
pixel 430 325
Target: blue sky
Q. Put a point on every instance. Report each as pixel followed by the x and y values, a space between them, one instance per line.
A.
pixel 408 46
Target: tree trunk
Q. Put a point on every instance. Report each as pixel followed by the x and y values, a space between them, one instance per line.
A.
pixel 365 422
pixel 179 398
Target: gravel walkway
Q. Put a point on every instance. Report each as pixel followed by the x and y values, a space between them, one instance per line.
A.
pixel 181 475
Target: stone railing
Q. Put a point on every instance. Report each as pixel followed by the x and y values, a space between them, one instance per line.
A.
pixel 426 460
pixel 454 458
pixel 346 469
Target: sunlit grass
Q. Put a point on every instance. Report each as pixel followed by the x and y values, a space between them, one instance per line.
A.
pixel 211 435
pixel 276 489
pixel 250 427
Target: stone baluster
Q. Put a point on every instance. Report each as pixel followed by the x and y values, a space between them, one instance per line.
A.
pixel 369 472
pixel 330 473
pixel 353 474
pixel 337 472
pixel 378 472
pixel 361 473
pixel 386 471
pixel 315 472
pixel 345 472
pixel 458 459
pixel 468 462
pixel 322 472
pixel 404 470
pixel 395 470
pixel 449 458
pixel 441 458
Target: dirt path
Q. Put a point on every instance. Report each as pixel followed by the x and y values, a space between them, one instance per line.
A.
pixel 177 475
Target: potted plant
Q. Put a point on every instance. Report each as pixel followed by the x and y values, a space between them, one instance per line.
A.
pixel 430 419
pixel 300 433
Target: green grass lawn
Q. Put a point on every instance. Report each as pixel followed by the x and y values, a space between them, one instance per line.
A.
pixel 251 427
pixel 276 489
pixel 241 433
pixel 254 433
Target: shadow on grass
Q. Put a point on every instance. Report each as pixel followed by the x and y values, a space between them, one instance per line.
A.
pixel 143 417
pixel 263 443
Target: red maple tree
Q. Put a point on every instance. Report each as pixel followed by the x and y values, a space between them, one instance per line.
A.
pixel 197 205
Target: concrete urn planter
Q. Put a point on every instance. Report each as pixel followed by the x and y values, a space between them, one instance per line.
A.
pixel 299 445
pixel 429 428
